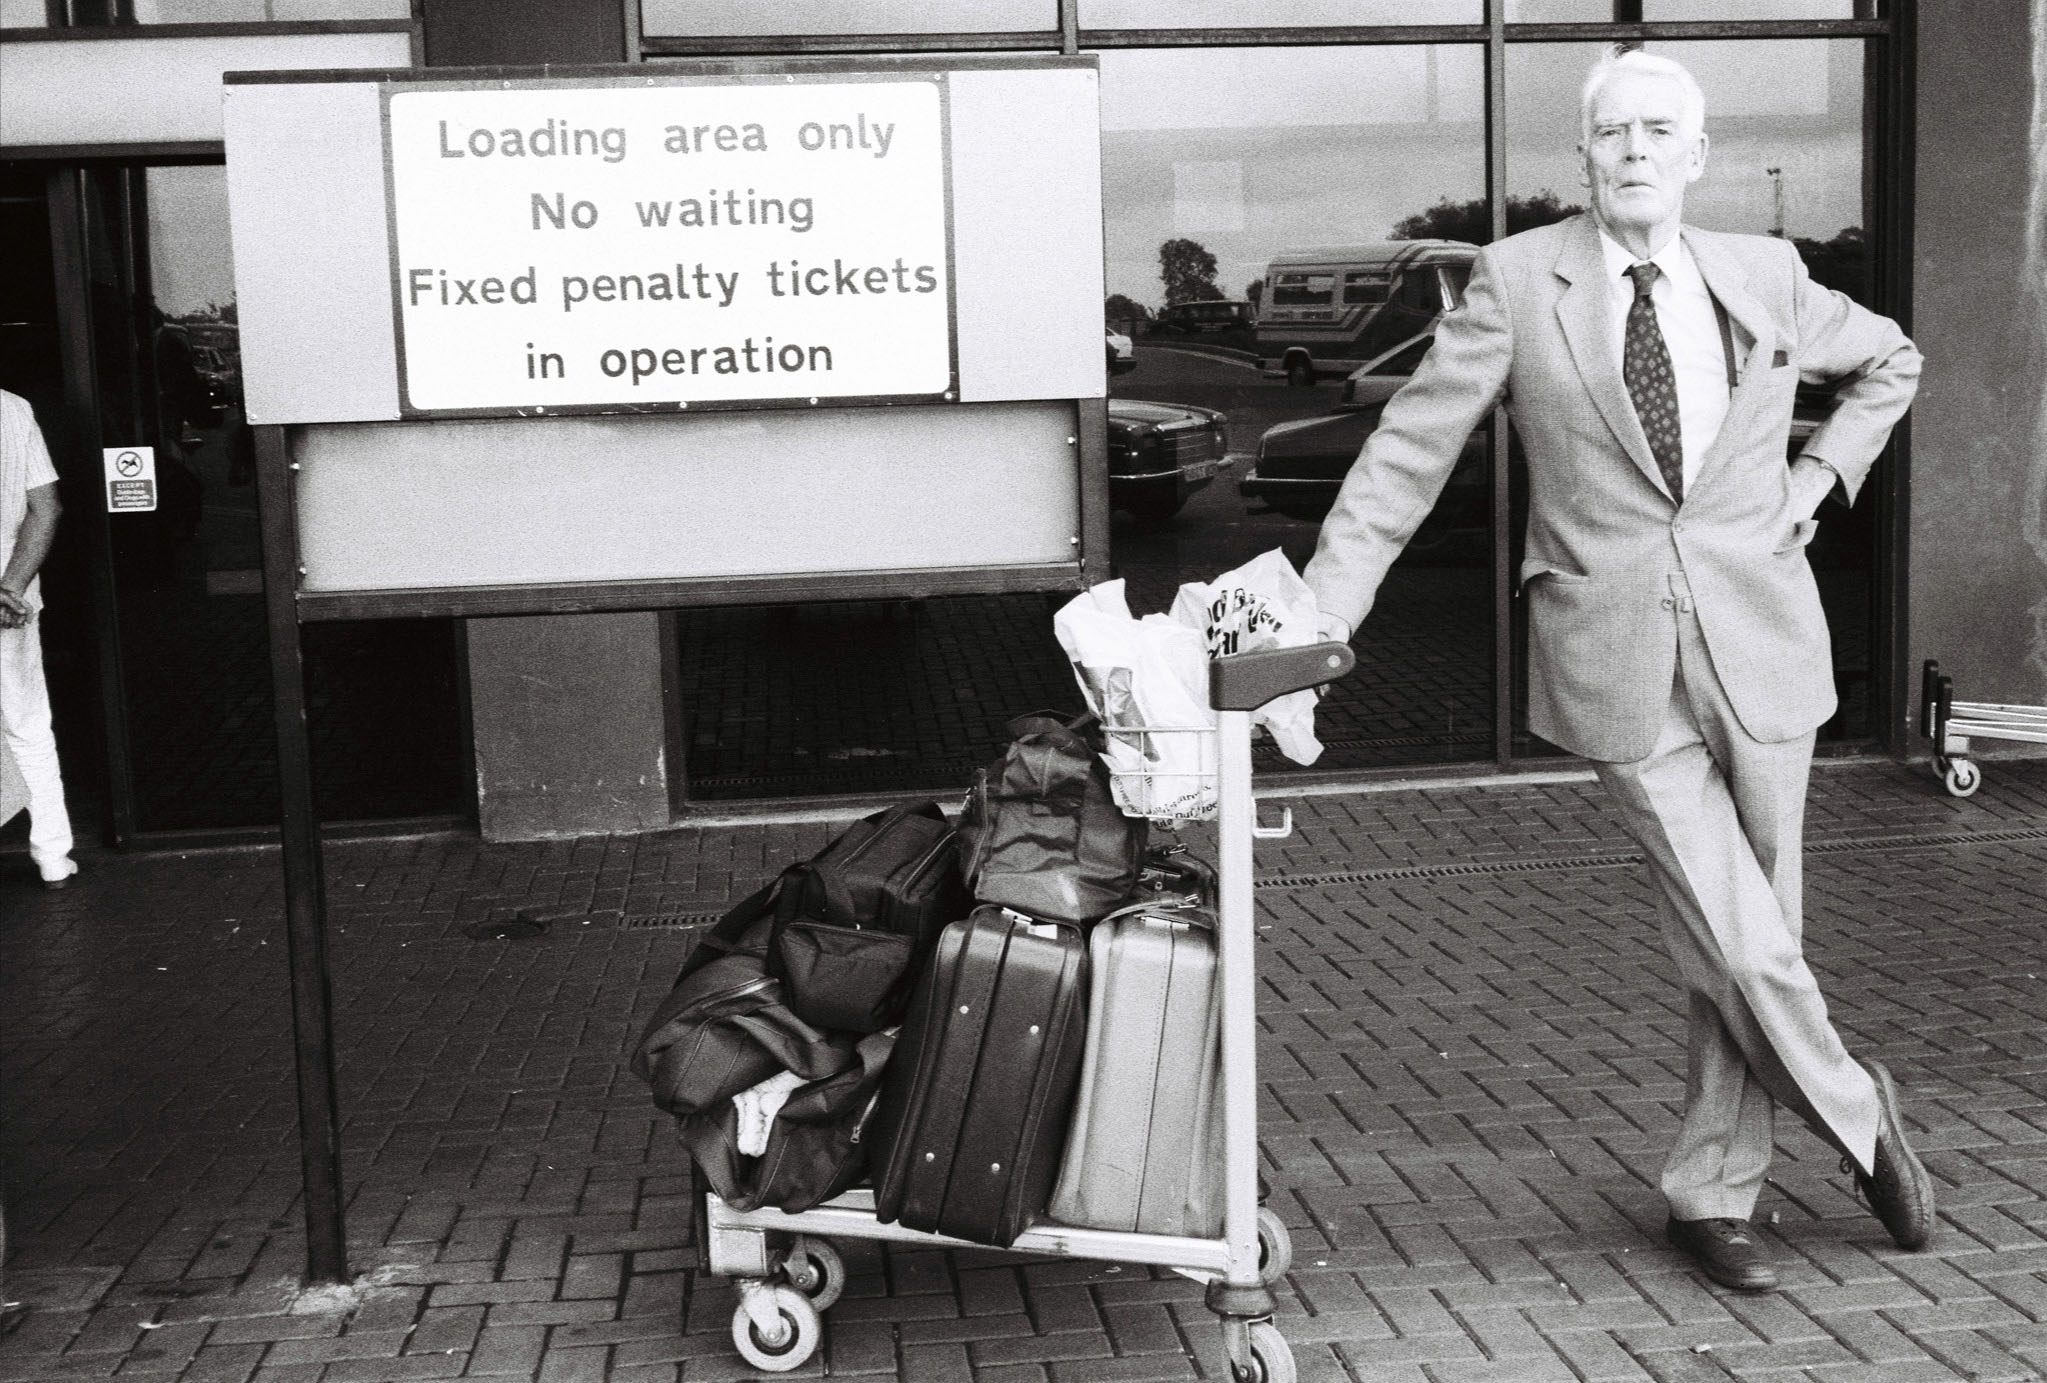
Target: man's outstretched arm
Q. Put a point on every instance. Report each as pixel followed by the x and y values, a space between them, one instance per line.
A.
pixel 1398 475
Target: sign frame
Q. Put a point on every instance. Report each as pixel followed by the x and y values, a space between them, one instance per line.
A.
pixel 288 608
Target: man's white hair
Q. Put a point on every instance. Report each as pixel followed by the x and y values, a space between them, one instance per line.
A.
pixel 1616 60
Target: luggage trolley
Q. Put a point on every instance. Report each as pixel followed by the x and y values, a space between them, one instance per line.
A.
pixel 788 1272
pixel 1950 725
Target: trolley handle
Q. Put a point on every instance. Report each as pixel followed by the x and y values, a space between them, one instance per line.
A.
pixel 1249 680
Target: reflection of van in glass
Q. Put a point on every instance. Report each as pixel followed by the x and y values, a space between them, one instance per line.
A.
pixel 1211 316
pixel 1329 309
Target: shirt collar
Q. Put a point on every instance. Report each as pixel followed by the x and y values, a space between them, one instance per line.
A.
pixel 1674 259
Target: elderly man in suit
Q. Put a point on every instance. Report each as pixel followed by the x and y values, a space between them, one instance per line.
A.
pixel 1677 639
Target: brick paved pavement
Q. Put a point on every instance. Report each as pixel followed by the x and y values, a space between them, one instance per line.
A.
pixel 1470 1053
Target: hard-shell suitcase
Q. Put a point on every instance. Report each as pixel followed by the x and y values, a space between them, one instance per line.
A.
pixel 1145 1150
pixel 972 1118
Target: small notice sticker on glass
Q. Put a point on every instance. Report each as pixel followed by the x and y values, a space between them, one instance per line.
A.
pixel 131 480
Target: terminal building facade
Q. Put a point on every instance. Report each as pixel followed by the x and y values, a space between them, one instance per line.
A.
pixel 1283 174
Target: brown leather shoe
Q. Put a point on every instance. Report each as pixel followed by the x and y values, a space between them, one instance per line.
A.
pixel 1725 1251
pixel 1898 1191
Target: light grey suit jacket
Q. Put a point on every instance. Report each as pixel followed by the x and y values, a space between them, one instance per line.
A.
pixel 1603 532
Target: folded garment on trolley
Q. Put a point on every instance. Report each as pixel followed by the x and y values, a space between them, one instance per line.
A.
pixel 810 1148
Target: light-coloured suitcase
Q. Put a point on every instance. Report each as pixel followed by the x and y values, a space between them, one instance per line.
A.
pixel 1144 1152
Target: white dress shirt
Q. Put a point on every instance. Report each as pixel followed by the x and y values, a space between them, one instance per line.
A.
pixel 1691 332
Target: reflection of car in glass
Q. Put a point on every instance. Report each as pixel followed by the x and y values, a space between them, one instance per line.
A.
pixel 1301 464
pixel 221 371
pixel 1189 319
pixel 1160 453
pixel 1122 355
pixel 1331 309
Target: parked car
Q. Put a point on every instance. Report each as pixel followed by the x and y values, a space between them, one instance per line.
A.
pixel 1301 463
pixel 1161 453
pixel 1122 354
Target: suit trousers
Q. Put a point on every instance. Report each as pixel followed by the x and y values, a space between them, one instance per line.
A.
pixel 25 723
pixel 1720 817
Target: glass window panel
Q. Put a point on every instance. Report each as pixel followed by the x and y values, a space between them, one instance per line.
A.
pixel 1785 117
pixel 724 19
pixel 1559 11
pixel 1673 10
pixel 1275 14
pixel 1216 164
pixel 264 11
pixel 187 578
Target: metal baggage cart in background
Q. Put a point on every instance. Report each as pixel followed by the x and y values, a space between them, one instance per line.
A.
pixel 1949 725
pixel 788 1272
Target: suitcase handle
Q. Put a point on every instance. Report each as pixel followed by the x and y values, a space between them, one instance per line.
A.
pixel 1191 913
pixel 1249 680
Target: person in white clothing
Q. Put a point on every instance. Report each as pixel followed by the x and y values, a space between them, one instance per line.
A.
pixel 28 523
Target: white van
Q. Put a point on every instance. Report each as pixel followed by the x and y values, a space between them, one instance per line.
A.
pixel 1331 308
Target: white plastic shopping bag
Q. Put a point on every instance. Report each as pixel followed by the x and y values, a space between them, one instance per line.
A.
pixel 1262 604
pixel 1146 681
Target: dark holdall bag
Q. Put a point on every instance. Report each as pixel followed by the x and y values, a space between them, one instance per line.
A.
pixel 814 1146
pixel 855 925
pixel 1042 833
pixel 724 1027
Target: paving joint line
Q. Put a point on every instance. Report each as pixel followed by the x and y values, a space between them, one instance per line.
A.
pixel 1522 865
pixel 1568 863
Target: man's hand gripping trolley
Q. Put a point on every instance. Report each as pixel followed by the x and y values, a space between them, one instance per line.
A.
pixel 788 1272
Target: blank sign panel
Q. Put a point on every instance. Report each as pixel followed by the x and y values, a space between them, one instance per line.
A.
pixel 398 506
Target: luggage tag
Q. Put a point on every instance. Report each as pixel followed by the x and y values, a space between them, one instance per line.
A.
pixel 1048 931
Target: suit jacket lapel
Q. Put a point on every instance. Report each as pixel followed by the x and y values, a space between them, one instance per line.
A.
pixel 1582 312
pixel 1754 332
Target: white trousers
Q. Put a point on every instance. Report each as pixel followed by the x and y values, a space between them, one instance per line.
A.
pixel 25 722
pixel 1721 818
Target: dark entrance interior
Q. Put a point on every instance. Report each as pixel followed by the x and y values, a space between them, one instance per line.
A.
pixel 120 329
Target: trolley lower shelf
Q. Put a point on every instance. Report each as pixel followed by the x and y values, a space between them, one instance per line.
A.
pixel 1950 725
pixel 788 1272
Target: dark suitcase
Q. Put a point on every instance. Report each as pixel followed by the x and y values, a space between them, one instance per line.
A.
pixel 968 1132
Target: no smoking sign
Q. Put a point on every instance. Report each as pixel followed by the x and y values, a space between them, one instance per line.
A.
pixel 131 480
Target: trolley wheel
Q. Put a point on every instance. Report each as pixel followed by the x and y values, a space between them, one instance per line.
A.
pixel 1272 1358
pixel 801 1331
pixel 1962 777
pixel 815 1269
pixel 1275 1247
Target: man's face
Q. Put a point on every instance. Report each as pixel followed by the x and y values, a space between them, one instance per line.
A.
pixel 1638 155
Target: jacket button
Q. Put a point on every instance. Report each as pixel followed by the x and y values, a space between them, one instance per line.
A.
pixel 1677 525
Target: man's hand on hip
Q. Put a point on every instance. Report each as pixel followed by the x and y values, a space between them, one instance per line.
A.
pixel 1812 480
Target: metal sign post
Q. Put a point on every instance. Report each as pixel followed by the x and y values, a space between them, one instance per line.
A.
pixel 305 890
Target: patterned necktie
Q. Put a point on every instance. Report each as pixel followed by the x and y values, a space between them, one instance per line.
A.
pixel 1645 364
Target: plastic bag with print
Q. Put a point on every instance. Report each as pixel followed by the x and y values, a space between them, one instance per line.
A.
pixel 1262 604
pixel 1146 681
